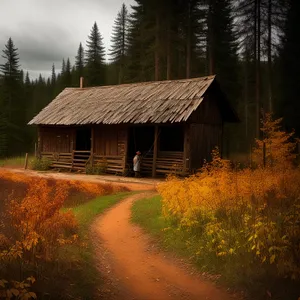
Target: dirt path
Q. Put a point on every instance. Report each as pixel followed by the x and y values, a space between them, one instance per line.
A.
pixel 131 184
pixel 133 271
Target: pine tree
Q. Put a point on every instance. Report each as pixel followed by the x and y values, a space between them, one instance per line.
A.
pixel 11 104
pixel 222 48
pixel 53 76
pixel 290 66
pixel 166 40
pixel 146 44
pixel 95 67
pixel 62 82
pixel 193 36
pixel 79 64
pixel 63 67
pixel 136 69
pixel 249 13
pixel 119 42
pixel 68 76
pixel 40 96
pixel 53 82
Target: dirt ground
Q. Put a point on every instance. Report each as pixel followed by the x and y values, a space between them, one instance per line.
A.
pixel 132 184
pixel 135 270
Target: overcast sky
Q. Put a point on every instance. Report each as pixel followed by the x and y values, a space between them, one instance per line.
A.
pixel 46 31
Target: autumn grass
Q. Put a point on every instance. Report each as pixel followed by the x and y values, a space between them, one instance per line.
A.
pixel 147 213
pixel 236 272
pixel 59 213
pixel 17 161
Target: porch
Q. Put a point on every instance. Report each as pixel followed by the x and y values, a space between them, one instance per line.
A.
pixel 112 147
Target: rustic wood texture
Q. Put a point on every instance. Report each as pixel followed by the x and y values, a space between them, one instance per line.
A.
pixel 203 138
pixel 59 160
pixel 209 112
pixel 56 139
pixel 186 149
pixel 139 103
pixel 111 164
pixel 110 140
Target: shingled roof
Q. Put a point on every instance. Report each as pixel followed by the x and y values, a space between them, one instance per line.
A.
pixel 148 102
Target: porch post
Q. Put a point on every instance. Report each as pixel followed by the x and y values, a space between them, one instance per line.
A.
pixel 126 143
pixel 186 150
pixel 39 142
pixel 155 151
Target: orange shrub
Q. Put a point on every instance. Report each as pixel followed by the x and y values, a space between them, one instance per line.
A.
pixel 32 224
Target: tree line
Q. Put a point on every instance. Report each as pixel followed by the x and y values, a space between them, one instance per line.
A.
pixel 251 45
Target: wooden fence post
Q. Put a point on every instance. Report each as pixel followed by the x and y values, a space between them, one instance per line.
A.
pixel 26 161
pixel 35 150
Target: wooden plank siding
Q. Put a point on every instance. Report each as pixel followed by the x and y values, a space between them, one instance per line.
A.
pixel 110 147
pixel 56 139
pixel 205 133
pixel 208 112
pixel 204 138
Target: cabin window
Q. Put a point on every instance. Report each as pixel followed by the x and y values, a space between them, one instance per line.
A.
pixel 171 138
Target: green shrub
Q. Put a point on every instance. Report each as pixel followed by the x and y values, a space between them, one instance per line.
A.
pixel 97 169
pixel 41 164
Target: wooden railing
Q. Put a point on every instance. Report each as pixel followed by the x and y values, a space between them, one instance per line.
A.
pixel 146 166
pixel 167 162
pixel 111 164
pixel 76 160
pixel 170 162
pixel 59 160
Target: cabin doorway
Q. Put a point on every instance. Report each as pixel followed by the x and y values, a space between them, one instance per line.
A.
pixel 171 138
pixel 141 139
pixel 83 139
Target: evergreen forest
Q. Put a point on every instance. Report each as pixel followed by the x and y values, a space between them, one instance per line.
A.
pixel 251 45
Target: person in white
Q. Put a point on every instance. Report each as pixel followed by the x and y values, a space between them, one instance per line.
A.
pixel 137 164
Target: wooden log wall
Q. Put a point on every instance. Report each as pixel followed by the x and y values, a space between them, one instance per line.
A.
pixel 56 139
pixel 110 147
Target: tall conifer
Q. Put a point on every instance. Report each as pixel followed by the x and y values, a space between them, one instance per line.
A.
pixel 119 41
pixel 95 58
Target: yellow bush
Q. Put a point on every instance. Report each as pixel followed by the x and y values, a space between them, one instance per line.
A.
pixel 243 211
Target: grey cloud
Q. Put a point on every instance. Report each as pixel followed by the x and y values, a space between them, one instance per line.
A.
pixel 46 31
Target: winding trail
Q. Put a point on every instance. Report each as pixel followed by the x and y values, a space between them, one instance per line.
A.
pixel 134 271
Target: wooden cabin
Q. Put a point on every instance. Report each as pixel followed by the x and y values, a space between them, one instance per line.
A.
pixel 175 124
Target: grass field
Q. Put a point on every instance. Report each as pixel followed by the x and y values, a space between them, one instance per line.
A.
pixel 237 273
pixel 18 161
